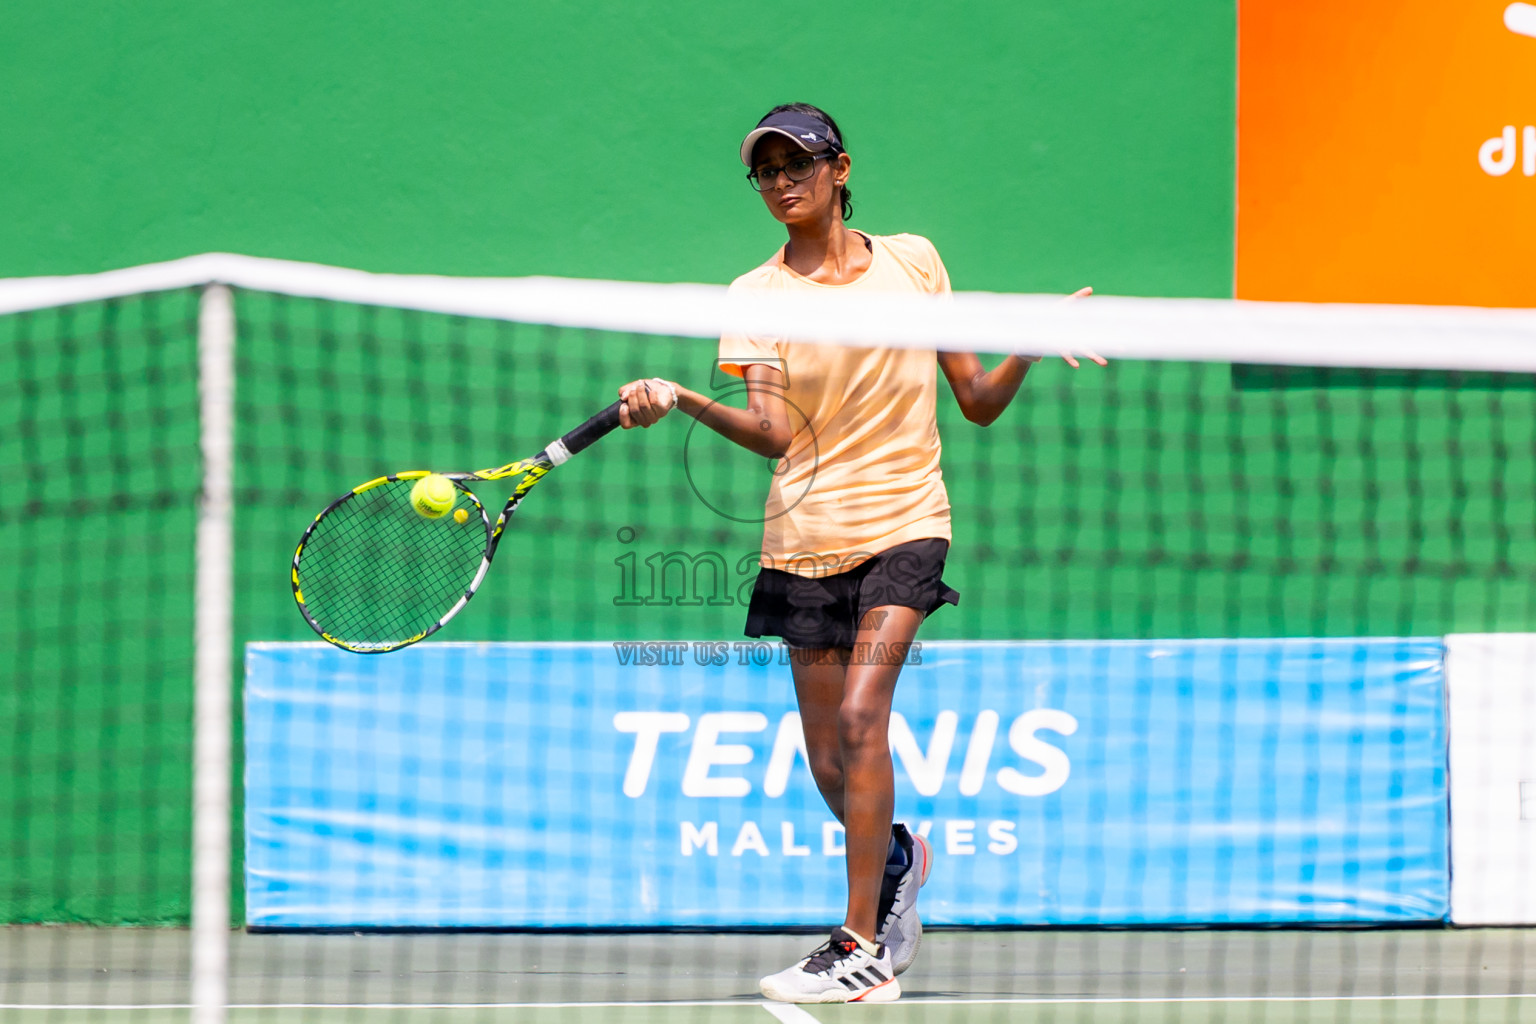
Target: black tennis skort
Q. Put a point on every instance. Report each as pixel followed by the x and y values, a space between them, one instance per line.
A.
pixel 825 611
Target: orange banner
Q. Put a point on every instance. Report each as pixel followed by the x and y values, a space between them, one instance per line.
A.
pixel 1387 151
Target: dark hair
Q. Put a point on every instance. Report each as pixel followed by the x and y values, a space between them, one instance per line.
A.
pixel 836 140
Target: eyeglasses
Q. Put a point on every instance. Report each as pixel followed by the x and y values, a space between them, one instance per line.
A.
pixel 798 169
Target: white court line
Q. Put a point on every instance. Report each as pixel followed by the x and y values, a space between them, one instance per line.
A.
pixel 684 1004
pixel 789 1013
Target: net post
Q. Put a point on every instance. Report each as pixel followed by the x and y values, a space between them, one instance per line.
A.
pixel 213 625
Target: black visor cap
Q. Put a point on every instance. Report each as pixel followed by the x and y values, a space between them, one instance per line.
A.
pixel 807 131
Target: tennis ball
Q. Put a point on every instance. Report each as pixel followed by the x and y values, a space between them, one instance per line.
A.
pixel 461 516
pixel 433 496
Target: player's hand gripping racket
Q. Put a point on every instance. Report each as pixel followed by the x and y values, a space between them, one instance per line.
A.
pixel 372 575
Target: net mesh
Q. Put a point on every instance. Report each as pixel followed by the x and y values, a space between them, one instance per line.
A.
pixel 100 458
pixel 1322 515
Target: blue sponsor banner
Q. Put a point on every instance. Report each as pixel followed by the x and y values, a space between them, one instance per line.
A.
pixel 482 785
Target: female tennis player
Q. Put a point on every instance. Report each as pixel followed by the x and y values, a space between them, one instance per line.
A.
pixel 857 525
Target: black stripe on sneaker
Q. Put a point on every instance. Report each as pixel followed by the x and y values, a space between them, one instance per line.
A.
pixel 875 972
pixel 862 980
pixel 851 986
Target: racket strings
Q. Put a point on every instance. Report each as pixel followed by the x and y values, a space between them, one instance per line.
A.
pixel 374 573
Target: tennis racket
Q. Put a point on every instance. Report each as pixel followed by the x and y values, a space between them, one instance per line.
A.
pixel 372 576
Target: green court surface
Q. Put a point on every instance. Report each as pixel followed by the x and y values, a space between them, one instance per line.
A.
pixel 140 975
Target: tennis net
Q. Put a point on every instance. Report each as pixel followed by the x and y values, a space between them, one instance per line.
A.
pixel 1183 747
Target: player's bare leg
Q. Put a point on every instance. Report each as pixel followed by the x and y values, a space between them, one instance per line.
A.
pixel 869 784
pixel 819 690
pixel 845 711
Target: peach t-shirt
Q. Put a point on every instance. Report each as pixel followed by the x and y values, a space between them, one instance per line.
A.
pixel 862 472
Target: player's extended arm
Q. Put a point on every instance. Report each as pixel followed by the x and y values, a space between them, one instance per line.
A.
pixel 984 394
pixel 762 427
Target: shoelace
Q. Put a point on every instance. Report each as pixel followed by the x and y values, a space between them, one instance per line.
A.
pixel 824 958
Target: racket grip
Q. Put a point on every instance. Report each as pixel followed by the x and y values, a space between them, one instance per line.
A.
pixel 593 430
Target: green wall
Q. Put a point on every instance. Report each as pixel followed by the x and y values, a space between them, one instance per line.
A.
pixel 1042 146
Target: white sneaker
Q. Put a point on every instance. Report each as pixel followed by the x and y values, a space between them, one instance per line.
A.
pixel 900 928
pixel 839 972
